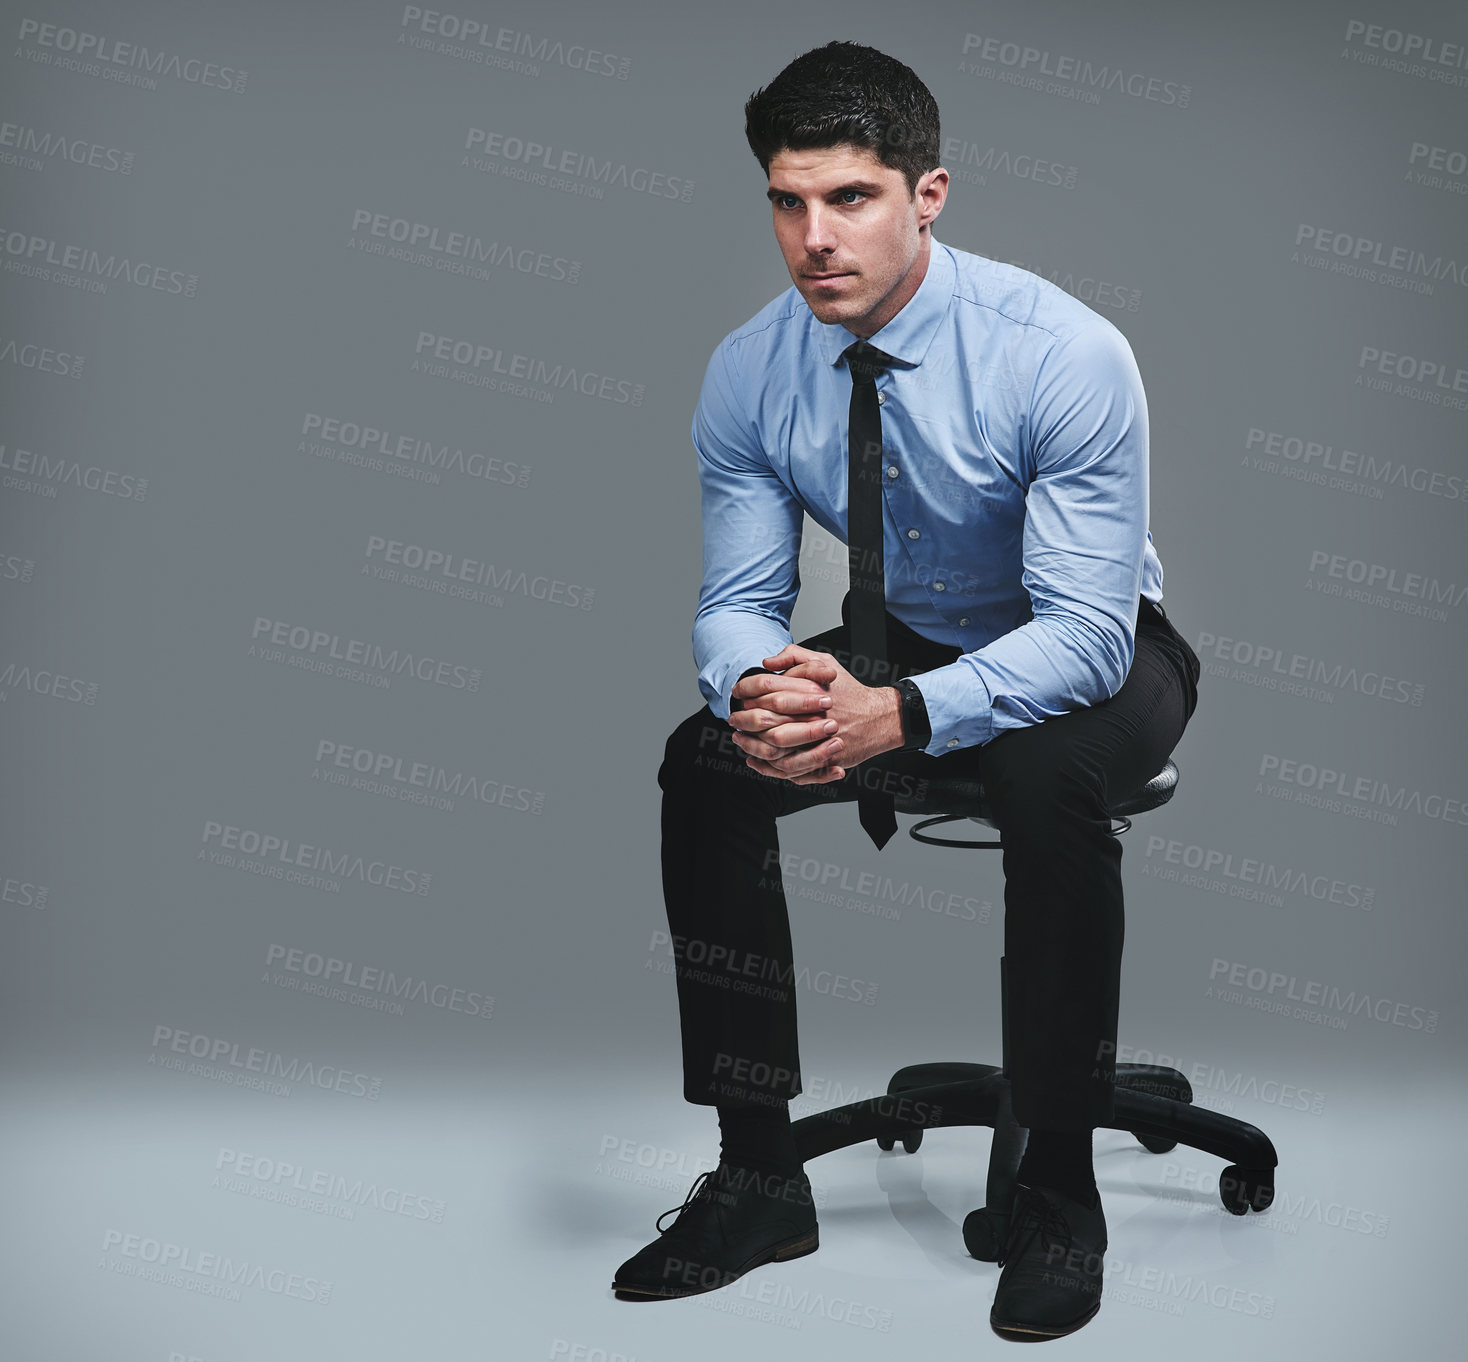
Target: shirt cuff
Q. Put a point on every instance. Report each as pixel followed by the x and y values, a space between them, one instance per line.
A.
pixel 957 717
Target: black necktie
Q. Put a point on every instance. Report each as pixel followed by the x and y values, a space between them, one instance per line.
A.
pixel 865 554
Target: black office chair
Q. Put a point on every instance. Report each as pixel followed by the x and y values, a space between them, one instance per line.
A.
pixel 1152 1102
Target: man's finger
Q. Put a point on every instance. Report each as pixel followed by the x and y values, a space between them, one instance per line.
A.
pixel 760 685
pixel 822 777
pixel 777 707
pixel 784 736
pixel 819 776
pixel 791 652
pixel 796 659
pixel 783 753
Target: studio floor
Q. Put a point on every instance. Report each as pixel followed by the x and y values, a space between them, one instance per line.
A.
pixel 186 1219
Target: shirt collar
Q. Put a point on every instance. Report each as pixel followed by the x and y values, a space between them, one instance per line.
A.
pixel 907 336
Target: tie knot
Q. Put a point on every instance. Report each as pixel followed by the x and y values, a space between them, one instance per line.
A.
pixel 865 361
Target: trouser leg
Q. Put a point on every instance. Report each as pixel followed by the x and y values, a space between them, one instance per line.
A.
pixel 727 917
pixel 1050 786
pixel 727 914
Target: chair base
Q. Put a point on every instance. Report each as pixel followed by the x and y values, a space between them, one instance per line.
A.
pixel 1152 1102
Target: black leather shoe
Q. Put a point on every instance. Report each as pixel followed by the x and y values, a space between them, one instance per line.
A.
pixel 732 1220
pixel 1052 1261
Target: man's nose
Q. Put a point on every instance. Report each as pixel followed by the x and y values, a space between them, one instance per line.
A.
pixel 819 235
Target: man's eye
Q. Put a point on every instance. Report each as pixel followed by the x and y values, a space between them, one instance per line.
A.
pixel 852 194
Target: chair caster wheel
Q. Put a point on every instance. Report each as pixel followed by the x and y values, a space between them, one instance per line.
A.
pixel 984 1232
pixel 1154 1144
pixel 911 1141
pixel 1246 1189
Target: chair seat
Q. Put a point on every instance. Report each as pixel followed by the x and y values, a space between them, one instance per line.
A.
pixel 966 798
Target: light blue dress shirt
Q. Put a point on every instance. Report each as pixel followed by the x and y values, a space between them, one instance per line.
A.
pixel 1014 436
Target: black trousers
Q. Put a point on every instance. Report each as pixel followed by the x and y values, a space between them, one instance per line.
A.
pixel 1049 786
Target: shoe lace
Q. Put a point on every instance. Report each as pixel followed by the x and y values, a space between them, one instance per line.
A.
pixel 702 1189
pixel 1034 1215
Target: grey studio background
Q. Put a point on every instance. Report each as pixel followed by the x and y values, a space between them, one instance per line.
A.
pixel 350 552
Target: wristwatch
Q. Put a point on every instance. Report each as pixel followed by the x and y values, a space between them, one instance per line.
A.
pixel 917 731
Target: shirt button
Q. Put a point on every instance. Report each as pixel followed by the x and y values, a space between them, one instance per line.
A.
pixel 914 534
pixel 938 586
pixel 952 742
pixel 881 399
pixel 891 470
pixel 963 623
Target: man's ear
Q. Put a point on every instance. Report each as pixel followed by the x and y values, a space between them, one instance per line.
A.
pixel 932 193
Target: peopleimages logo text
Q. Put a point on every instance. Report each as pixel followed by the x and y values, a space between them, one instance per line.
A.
pixel 217 1051
pixel 211 1270
pixel 1315 993
pixel 1305 775
pixel 271 848
pixel 325 647
pixel 1080 71
pixel 1272 661
pixel 333 971
pixel 438 563
pixel 99 47
pixel 463 248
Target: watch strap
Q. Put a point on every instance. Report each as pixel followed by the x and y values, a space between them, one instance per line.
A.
pixel 917 729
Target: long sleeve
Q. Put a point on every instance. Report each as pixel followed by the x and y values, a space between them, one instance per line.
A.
pixel 751 540
pixel 1085 535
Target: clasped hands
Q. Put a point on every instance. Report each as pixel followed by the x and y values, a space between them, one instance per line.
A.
pixel 812 720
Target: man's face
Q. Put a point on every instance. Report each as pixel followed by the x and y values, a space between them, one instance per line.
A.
pixel 852 236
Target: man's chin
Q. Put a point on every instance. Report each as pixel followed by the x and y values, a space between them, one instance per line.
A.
pixel 830 310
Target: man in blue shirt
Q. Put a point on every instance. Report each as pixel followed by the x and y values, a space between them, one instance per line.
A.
pixel 1025 647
